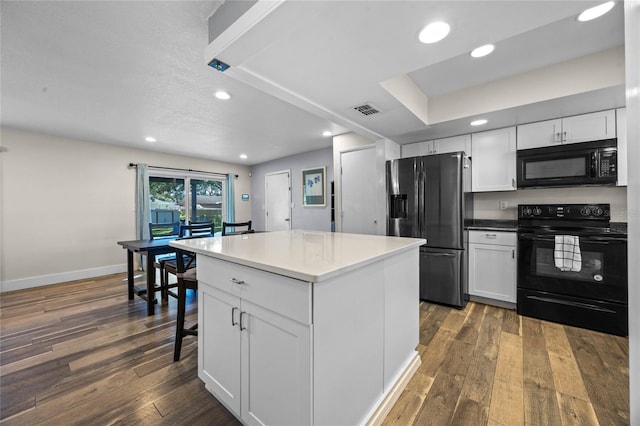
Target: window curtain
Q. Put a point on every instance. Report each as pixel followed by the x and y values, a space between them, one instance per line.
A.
pixel 143 212
pixel 231 211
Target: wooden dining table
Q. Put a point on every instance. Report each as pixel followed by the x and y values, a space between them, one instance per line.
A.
pixel 151 249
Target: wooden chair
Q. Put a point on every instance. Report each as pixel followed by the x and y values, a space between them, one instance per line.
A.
pixel 164 230
pixel 234 225
pixel 187 279
pixel 193 230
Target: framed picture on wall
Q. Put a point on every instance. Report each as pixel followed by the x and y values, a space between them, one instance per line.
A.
pixel 314 188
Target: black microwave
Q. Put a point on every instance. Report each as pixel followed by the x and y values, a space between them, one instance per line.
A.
pixel 578 164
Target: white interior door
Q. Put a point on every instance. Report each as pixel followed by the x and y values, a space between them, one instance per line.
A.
pixel 278 201
pixel 358 188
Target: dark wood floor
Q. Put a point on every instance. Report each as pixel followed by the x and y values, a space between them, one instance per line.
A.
pixel 81 353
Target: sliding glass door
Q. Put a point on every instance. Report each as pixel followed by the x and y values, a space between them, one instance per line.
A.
pixel 206 201
pixel 186 197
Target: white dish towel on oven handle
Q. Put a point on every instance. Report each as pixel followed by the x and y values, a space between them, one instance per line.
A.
pixel 566 253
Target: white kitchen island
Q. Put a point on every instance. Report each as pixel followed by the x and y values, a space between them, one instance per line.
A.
pixel 305 327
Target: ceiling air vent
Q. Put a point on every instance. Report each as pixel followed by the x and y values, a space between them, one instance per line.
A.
pixel 367 109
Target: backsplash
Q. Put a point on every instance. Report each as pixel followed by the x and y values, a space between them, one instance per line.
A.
pixel 486 205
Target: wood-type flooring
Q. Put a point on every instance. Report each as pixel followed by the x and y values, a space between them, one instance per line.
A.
pixel 81 353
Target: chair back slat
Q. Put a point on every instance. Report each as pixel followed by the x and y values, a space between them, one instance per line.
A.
pixel 206 229
pixel 230 227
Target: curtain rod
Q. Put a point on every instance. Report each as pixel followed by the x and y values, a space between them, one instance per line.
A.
pixel 182 170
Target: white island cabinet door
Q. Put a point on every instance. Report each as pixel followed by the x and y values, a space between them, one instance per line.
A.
pixel 219 344
pixel 276 368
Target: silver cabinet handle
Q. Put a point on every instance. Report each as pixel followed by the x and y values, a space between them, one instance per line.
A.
pixel 491 236
pixel 513 183
pixel 513 254
pixel 233 317
pixel 242 328
pixel 287 220
pixel 564 136
pixel 558 138
pixel 237 281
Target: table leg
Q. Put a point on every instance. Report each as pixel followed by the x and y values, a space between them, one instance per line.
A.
pixel 130 273
pixel 151 284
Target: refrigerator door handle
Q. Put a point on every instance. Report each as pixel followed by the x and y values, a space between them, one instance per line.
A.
pixel 441 254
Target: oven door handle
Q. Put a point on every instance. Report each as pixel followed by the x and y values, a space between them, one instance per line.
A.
pixel 592 239
pixel 536 237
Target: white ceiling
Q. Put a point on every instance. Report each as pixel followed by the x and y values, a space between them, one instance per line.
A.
pixel 115 72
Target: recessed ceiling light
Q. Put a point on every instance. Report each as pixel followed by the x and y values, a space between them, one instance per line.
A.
pixel 150 139
pixel 243 156
pixel 222 95
pixel 326 133
pixel 478 122
pixel 481 51
pixel 434 32
pixel 596 11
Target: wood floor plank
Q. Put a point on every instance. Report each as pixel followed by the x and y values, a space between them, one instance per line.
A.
pixel 441 400
pixel 540 405
pixel 537 367
pixel 602 381
pixel 575 411
pixel 507 404
pixel 567 377
pixel 408 406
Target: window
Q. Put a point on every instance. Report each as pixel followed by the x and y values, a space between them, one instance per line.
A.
pixel 186 197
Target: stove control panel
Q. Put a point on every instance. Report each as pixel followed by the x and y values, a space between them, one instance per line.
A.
pixel 564 211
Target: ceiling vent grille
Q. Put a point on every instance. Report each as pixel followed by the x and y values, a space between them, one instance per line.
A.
pixel 367 109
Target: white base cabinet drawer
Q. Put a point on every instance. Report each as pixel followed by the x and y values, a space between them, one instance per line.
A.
pixel 287 296
pixel 492 265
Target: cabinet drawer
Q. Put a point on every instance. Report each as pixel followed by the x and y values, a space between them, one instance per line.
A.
pixel 493 237
pixel 286 296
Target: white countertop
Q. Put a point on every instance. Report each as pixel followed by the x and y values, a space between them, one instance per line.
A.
pixel 311 256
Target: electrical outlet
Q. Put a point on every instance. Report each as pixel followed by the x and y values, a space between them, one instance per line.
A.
pixel 503 205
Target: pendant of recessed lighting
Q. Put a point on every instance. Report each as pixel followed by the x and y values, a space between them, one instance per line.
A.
pixel 434 32
pixel 596 11
pixel 481 51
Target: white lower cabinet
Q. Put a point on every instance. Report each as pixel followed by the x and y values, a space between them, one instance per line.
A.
pixel 492 265
pixel 255 361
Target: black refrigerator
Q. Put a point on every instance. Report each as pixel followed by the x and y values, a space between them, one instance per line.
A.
pixel 430 197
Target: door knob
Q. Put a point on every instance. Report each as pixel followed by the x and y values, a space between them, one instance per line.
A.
pixel 286 220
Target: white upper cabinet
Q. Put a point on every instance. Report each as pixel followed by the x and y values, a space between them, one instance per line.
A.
pixel 579 128
pixel 452 144
pixel 542 133
pixel 438 146
pixel 493 155
pixel 417 149
pixel 621 125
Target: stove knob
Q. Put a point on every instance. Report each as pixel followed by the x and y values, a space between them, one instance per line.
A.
pixel 526 211
pixel 537 211
pixel 585 211
pixel 598 211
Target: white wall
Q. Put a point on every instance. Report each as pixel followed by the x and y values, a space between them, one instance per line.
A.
pixel 308 218
pixel 65 204
pixel 486 205
pixel 632 47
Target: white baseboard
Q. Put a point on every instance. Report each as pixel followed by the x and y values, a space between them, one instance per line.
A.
pixel 394 393
pixel 30 282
